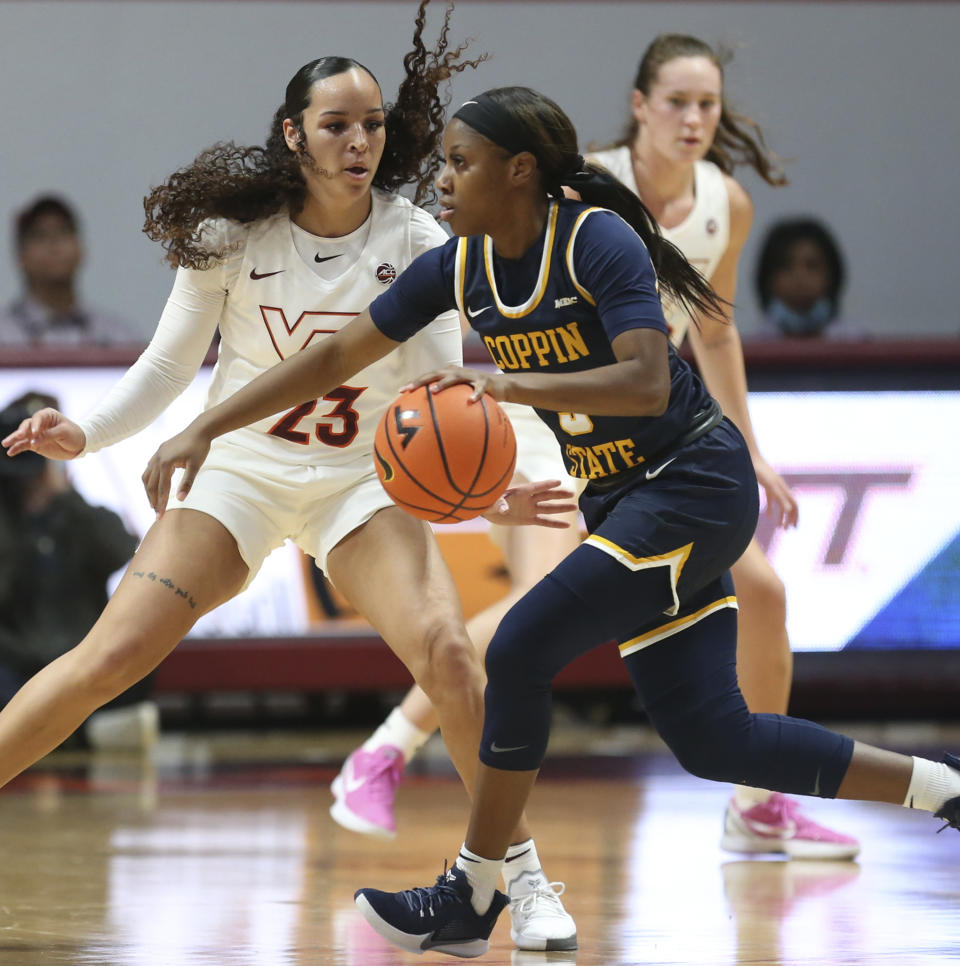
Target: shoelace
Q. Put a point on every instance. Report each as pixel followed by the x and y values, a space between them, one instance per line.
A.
pixel 425 899
pixel 548 894
pixel 950 813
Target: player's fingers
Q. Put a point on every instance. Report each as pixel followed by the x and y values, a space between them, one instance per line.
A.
pixel 19 438
pixel 556 507
pixel 186 481
pixel 151 483
pixel 423 380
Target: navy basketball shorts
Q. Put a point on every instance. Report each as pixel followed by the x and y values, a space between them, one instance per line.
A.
pixel 654 576
pixel 668 537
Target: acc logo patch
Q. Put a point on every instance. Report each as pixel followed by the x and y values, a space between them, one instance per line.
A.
pixel 386 273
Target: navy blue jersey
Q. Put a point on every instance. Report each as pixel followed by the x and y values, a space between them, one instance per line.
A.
pixel 556 309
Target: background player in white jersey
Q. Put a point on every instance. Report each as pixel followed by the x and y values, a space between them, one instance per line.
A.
pixel 681 145
pixel 365 789
pixel 281 245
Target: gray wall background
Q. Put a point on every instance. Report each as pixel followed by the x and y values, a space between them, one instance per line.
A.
pixel 104 98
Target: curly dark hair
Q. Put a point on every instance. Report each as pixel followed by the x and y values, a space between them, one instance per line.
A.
pixel 738 140
pixel 244 184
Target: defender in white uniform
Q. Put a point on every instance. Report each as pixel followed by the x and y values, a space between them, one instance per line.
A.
pixel 683 143
pixel 304 475
pixel 280 246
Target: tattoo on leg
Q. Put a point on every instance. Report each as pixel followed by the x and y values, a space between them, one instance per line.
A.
pixel 166 582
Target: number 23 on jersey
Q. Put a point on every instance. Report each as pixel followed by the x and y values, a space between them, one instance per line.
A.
pixel 342 428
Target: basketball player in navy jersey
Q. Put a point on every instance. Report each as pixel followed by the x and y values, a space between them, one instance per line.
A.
pixel 565 296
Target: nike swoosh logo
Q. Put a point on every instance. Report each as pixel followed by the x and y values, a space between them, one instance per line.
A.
pixel 254 274
pixel 473 315
pixel 495 747
pixel 653 474
pixel 351 782
pixel 319 260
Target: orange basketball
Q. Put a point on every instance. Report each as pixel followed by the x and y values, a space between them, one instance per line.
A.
pixel 442 458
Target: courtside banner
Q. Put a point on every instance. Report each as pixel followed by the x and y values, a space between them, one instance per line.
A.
pixel 874 562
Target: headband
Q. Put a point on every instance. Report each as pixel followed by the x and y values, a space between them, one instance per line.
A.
pixel 489 118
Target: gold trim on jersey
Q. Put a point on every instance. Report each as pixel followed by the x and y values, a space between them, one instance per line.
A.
pixel 518 311
pixel 460 274
pixel 674 627
pixel 675 560
pixel 569 255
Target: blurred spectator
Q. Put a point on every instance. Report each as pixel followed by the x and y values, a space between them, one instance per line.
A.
pixel 56 553
pixel 799 279
pixel 48 311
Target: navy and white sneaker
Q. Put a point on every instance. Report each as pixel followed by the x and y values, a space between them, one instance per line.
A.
pixel 950 810
pixel 438 919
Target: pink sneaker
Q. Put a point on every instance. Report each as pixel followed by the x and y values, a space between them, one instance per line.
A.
pixel 779 825
pixel 363 792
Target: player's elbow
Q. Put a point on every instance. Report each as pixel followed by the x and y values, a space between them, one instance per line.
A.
pixel 646 389
pixel 649 396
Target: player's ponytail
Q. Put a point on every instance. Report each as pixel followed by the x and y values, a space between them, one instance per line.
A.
pixel 521 119
pixel 245 184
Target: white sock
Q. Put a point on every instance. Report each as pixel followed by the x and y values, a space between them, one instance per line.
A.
pixel 746 797
pixel 932 784
pixel 398 731
pixel 522 872
pixel 482 875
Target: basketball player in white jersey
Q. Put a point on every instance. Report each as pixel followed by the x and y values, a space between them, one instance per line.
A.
pixel 279 246
pixel 682 143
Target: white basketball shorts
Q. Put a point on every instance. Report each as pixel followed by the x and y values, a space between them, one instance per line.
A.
pixel 263 503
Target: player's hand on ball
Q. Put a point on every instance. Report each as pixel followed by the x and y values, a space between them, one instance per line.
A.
pixel 187 451
pixel 533 504
pixel 492 383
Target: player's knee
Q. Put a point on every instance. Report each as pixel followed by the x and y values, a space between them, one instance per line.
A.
pixel 763 592
pixel 448 663
pixel 710 748
pixel 104 671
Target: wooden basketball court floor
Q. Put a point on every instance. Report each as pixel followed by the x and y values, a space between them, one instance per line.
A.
pixel 220 851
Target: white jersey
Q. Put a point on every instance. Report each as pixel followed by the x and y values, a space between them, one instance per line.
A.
pixel 702 236
pixel 269 304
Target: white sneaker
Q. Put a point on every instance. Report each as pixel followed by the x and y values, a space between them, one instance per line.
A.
pixel 134 728
pixel 539 920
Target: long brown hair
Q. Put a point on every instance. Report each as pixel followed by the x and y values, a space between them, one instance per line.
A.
pixel 554 141
pixel 247 183
pixel 738 140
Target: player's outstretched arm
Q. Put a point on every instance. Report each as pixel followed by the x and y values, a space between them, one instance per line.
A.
pixel 307 375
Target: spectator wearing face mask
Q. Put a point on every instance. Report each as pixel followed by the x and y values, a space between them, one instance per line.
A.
pixel 799 280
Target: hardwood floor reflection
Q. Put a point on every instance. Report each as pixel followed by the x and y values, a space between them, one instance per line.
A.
pixel 129 863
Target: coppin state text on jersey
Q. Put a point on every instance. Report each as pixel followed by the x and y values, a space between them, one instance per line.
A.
pixel 557 328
